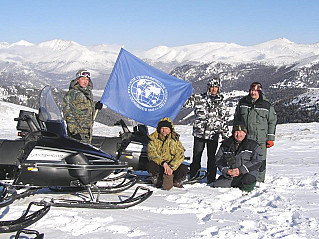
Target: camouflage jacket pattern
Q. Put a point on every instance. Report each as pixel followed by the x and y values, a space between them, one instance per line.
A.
pixel 210 115
pixel 78 108
pixel 166 149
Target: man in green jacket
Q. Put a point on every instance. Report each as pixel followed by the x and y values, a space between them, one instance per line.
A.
pixel 260 118
pixel 166 154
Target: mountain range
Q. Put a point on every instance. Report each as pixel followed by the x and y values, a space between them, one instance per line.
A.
pixel 280 65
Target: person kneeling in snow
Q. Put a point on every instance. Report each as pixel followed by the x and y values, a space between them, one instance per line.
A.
pixel 238 159
pixel 166 154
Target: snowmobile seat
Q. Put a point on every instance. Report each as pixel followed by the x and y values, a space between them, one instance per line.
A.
pixel 22 125
pixel 10 151
pixel 109 145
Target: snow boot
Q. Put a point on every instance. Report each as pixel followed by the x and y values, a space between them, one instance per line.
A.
pixel 167 181
pixel 178 184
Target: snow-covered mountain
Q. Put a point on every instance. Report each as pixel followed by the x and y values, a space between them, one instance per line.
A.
pixel 286 69
pixel 276 52
pixel 55 62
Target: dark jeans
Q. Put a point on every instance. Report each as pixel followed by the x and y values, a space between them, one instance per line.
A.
pixel 199 145
pixel 157 170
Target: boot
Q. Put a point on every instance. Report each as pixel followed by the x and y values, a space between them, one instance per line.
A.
pixel 157 182
pixel 167 181
pixel 178 184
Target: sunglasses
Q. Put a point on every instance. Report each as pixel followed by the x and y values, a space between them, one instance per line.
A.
pixel 85 74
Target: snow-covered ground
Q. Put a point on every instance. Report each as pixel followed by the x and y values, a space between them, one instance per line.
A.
pixel 285 206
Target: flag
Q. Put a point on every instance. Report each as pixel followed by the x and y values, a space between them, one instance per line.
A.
pixel 143 93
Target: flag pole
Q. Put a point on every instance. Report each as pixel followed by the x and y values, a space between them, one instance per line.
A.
pixel 97 110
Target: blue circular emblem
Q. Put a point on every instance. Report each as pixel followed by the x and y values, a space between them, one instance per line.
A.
pixel 147 93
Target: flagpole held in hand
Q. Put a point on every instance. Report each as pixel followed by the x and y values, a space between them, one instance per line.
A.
pixel 95 114
pixel 98 107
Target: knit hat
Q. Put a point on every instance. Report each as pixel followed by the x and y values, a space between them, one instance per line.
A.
pixel 239 127
pixel 164 123
pixel 256 86
pixel 214 82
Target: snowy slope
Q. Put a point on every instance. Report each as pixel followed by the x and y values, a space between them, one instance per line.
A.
pixel 286 206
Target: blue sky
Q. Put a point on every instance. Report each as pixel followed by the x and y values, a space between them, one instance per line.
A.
pixel 143 24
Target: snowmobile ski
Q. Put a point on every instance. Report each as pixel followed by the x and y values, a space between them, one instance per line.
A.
pixel 8 195
pixel 30 232
pixel 96 204
pixel 25 220
pixel 103 186
pixel 127 182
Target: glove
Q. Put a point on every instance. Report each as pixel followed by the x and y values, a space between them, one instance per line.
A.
pixel 98 105
pixel 270 143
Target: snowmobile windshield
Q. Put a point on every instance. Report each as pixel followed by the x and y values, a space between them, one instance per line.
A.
pixel 50 114
pixel 48 105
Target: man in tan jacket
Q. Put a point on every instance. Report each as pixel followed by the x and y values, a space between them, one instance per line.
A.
pixel 166 155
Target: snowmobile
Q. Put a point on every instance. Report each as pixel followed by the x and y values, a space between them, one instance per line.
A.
pixel 45 158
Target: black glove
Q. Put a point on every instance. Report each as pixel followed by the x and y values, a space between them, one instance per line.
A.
pixel 98 105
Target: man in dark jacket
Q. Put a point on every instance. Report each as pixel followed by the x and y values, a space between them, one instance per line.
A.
pixel 260 119
pixel 166 155
pixel 210 122
pixel 238 159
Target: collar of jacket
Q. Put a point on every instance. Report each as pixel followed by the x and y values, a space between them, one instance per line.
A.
pixel 215 98
pixel 249 100
pixel 74 82
pixel 230 144
pixel 173 135
pixel 86 91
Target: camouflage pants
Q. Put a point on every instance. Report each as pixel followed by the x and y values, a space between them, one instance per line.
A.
pixel 83 137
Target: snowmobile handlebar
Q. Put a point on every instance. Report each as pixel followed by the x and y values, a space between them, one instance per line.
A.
pixel 123 125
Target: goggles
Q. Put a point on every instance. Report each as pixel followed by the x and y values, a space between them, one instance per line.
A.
pixel 84 74
pixel 255 87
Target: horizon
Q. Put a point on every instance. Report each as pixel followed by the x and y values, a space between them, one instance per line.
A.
pixel 146 24
pixel 114 45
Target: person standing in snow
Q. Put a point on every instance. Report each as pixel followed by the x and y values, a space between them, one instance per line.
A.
pixel 210 122
pixel 238 159
pixel 260 119
pixel 166 155
pixel 78 107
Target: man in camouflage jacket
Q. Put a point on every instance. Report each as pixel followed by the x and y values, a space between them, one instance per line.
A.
pixel 210 122
pixel 78 107
pixel 260 119
pixel 166 155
